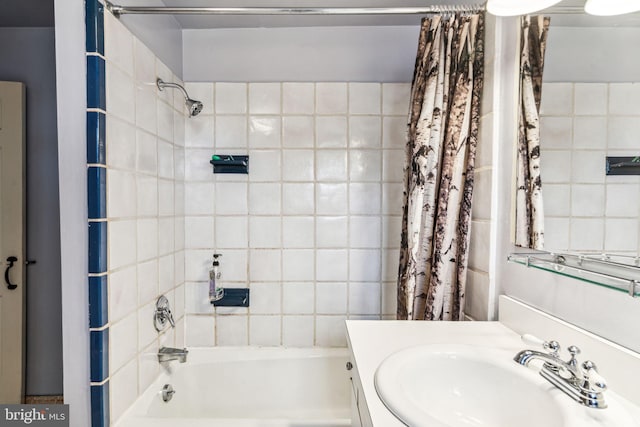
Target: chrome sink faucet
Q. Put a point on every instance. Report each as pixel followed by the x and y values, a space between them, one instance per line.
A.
pixel 581 382
pixel 167 354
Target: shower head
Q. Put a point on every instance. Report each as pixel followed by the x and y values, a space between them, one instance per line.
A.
pixel 194 107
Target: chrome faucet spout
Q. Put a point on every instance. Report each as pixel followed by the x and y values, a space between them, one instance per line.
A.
pixel 167 354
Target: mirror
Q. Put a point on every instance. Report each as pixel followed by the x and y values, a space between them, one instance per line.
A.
pixel 590 109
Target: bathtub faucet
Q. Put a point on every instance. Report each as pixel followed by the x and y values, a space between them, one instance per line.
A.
pixel 167 354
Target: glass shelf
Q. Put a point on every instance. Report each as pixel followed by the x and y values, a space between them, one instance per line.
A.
pixel 618 272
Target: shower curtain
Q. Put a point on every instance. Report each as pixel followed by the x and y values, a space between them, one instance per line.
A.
pixel 443 132
pixel 529 208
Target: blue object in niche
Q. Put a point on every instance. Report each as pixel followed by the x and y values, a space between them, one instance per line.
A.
pixel 98 309
pixel 96 136
pixel 95 82
pixel 100 405
pixel 97 247
pixel 97 192
pixel 99 343
pixel 95 26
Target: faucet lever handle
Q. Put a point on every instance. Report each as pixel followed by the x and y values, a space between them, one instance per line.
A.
pixel 592 378
pixel 552 346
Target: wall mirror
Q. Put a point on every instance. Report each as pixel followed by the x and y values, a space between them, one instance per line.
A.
pixel 589 111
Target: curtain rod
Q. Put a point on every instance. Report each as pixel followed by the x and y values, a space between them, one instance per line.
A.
pixel 122 10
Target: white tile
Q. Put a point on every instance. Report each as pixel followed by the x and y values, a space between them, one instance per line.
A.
pixel 590 133
pixel 479 245
pixel 331 331
pixel 196 164
pixel 121 194
pixel 331 298
pixel 231 232
pixel 555 166
pixel 166 197
pixel 395 99
pixel 145 63
pixel 331 165
pixel 179 163
pixel 477 295
pixel 298 131
pixel 232 330
pixel 590 99
pixel 394 132
pixel 121 146
pixel 331 264
pixel 298 265
pixel 622 200
pixel 265 232
pixel 265 265
pixel 148 366
pixel 123 388
pixel 265 330
pixel 123 293
pixel 623 133
pixel 621 235
pixel 264 98
pixel 391 231
pixel 231 198
pixel 557 200
pixel 331 98
pixel 556 132
pixel 364 265
pixel 202 92
pixel 298 298
pixel 587 234
pixel 165 160
pixel 331 132
pixel 298 98
pixel 623 99
pixel 365 132
pixel 146 153
pixel 297 331
pixel 365 232
pixel 389 298
pixel 146 331
pixel 331 232
pixel 199 198
pixel 484 150
pixel 178 129
pixel 331 199
pixel 393 196
pixel 297 198
pixel 147 274
pixel 165 121
pixel 231 98
pixel 365 165
pixel 587 200
pixel 297 231
pixel 200 331
pixel 364 198
pixel 166 236
pixel 298 165
pixel 557 99
pixel 588 166
pixel 147 235
pixel 198 263
pixel 119 86
pixel 231 132
pixel 123 341
pixel 364 298
pixel 166 274
pixel 265 199
pixel 146 109
pixel 166 75
pixel 233 265
pixel 265 165
pixel 178 199
pixel 199 132
pixel 179 331
pixel 197 298
pixel 556 234
pixel 364 98
pixel 122 243
pixel 264 132
pixel 393 165
pixel 482 195
pixel 390 264
pixel 265 298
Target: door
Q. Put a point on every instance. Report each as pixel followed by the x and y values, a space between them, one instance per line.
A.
pixel 12 238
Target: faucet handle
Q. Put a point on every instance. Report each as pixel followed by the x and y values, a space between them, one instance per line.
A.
pixel 593 379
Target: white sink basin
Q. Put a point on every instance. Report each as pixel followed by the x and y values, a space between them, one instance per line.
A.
pixel 464 386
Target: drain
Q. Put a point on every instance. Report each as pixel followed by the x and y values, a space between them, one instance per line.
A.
pixel 167 392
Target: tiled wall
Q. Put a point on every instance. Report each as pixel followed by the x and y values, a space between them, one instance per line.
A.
pixel 313 229
pixel 581 124
pixel 136 169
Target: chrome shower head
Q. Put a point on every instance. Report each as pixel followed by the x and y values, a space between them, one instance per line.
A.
pixel 194 107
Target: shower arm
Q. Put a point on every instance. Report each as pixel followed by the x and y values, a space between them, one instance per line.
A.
pixel 162 84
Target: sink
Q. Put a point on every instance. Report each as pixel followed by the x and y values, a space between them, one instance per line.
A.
pixel 468 386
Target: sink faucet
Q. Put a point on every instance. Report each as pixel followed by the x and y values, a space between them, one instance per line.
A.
pixel 167 354
pixel 581 382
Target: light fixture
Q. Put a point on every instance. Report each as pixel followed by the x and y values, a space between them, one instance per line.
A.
pixel 611 7
pixel 520 7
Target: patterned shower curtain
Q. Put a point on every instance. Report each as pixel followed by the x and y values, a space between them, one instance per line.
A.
pixel 529 208
pixel 441 147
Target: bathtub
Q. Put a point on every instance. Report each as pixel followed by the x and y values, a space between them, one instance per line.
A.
pixel 249 387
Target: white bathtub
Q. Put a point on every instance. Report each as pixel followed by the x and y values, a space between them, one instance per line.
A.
pixel 249 387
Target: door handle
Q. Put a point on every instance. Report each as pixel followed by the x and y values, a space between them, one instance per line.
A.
pixel 10 260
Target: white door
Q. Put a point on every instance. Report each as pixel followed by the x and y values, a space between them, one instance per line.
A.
pixel 12 238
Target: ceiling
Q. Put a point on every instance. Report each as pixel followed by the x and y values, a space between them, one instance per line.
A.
pixel 26 13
